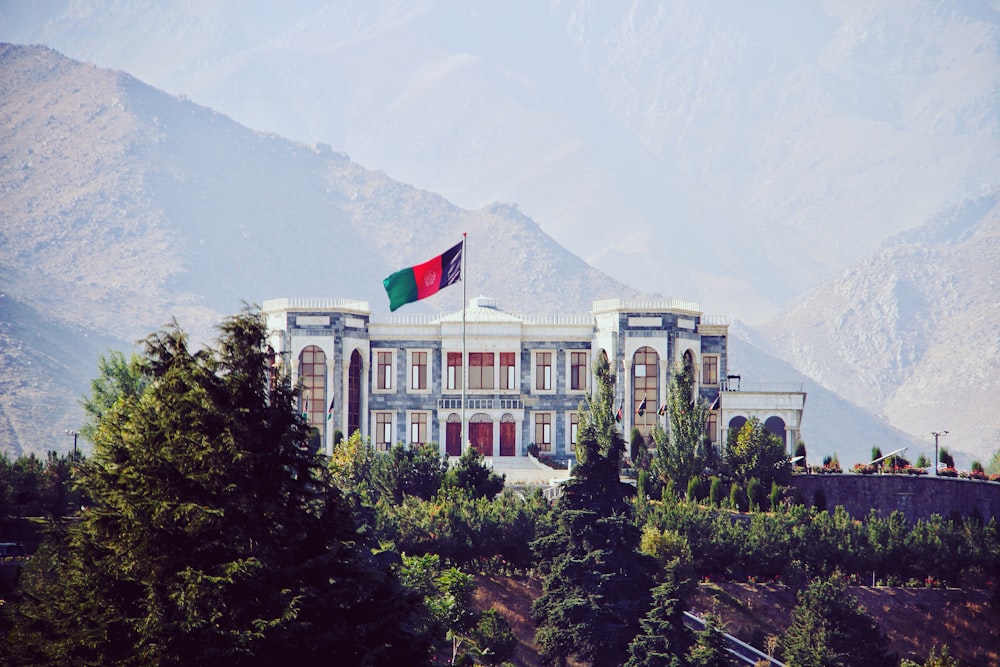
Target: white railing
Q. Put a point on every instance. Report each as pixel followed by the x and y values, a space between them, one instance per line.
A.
pixel 651 305
pixel 353 305
pixel 765 387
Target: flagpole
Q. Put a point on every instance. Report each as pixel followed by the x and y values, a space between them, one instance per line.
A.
pixel 465 363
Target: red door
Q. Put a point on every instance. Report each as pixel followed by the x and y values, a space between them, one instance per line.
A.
pixel 481 435
pixel 453 438
pixel 507 438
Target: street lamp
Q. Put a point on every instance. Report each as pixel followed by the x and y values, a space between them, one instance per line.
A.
pixel 937 461
pixel 75 434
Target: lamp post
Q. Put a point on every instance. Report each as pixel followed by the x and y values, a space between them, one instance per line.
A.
pixel 937 461
pixel 75 434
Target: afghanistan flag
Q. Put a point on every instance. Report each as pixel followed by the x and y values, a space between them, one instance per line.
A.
pixel 642 407
pixel 423 280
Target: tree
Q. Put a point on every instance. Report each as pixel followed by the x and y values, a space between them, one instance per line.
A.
pixel 664 640
pixel 118 378
pixel 993 467
pixel 709 649
pixel 213 536
pixel 756 453
pixel 682 453
pixel 596 583
pixel 408 471
pixel 830 629
pixel 473 477
pixel 495 641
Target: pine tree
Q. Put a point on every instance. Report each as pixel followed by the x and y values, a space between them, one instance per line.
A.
pixel 830 629
pixel 664 640
pixel 596 584
pixel 710 646
pixel 214 536
pixel 682 453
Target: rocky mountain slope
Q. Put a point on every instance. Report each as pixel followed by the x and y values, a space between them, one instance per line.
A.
pixel 124 207
pixel 911 331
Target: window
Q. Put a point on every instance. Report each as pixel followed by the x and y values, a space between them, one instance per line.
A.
pixel 710 370
pixel 480 370
pixel 383 430
pixel 418 370
pixel 712 426
pixel 312 375
pixel 418 428
pixel 543 370
pixel 645 388
pixel 574 424
pixel 543 431
pixel 507 367
pixel 578 371
pixel 454 370
pixel 354 394
pixel 383 366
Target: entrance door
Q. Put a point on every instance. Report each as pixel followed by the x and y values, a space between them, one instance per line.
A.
pixel 453 436
pixel 508 436
pixel 481 435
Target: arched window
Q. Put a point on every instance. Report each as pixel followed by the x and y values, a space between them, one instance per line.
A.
pixel 776 426
pixel 735 424
pixel 312 378
pixel 645 388
pixel 354 394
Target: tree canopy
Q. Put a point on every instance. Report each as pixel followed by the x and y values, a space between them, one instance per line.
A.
pixel 213 535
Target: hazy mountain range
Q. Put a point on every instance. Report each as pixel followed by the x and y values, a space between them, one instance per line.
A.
pixel 736 155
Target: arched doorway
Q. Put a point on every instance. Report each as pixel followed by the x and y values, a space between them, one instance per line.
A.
pixel 735 424
pixel 776 427
pixel 481 433
pixel 453 435
pixel 508 435
pixel 354 394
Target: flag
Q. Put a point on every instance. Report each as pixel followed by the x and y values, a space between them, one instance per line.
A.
pixel 329 411
pixel 423 280
pixel 642 407
pixel 618 415
pixel 663 410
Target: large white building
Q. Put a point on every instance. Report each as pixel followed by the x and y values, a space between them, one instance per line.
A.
pixel 400 378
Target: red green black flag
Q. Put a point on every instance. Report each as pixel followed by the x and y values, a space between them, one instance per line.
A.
pixel 423 280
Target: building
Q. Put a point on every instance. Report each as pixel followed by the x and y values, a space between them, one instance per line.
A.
pixel 400 378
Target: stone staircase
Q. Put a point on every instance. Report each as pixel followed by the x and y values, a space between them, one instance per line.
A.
pixel 525 470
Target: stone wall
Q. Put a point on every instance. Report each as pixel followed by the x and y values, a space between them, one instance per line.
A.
pixel 917 497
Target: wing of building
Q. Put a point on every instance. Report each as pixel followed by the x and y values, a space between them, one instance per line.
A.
pixel 507 380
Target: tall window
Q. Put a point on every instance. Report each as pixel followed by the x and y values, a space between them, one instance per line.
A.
pixel 454 370
pixel 645 388
pixel 543 370
pixel 312 375
pixel 383 430
pixel 578 370
pixel 480 370
pixel 418 370
pixel 384 368
pixel 418 428
pixel 710 370
pixel 543 431
pixel 712 426
pixel 354 394
pixel 574 424
pixel 507 368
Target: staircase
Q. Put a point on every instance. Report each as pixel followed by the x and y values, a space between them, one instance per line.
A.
pixel 525 470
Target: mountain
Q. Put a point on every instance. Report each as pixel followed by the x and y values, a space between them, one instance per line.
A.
pixel 125 207
pixel 911 332
pixel 739 152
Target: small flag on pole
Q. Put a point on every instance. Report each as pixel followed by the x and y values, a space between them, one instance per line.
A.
pixel 642 407
pixel 329 411
pixel 618 415
pixel 663 410
pixel 423 280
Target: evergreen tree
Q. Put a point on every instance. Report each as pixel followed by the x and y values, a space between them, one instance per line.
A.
pixel 830 629
pixel 710 646
pixel 682 453
pixel 473 477
pixel 596 584
pixel 408 471
pixel 213 535
pixel 664 640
